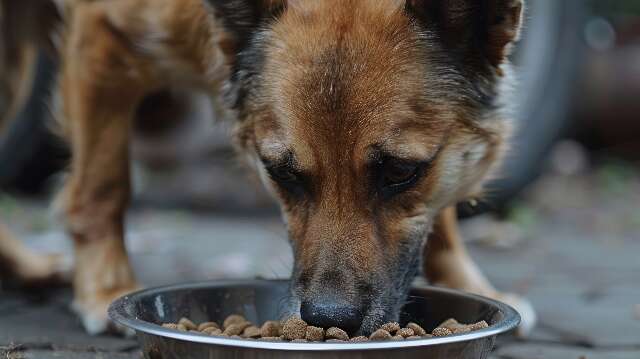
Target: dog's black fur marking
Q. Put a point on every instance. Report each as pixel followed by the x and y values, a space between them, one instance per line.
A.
pixel 463 30
pixel 245 20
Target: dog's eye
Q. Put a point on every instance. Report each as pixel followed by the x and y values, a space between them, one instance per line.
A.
pixel 283 174
pixel 286 175
pixel 398 173
pixel 396 176
pixel 288 179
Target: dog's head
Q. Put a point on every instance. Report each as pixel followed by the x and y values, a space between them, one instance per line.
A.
pixel 366 118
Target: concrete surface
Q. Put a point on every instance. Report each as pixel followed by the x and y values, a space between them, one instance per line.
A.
pixel 572 246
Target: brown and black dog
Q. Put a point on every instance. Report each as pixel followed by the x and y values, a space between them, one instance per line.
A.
pixel 367 119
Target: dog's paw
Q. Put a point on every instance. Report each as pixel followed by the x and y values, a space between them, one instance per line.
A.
pixel 524 308
pixel 93 312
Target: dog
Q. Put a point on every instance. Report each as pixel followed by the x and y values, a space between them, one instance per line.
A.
pixel 368 120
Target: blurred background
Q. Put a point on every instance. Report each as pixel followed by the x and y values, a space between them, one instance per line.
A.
pixel 561 225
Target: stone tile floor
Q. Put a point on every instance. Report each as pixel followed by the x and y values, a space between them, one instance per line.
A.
pixel 572 246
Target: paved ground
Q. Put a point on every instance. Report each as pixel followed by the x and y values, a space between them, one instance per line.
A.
pixel 572 246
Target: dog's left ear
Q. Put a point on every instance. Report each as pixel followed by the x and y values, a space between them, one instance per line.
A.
pixel 242 18
pixel 472 27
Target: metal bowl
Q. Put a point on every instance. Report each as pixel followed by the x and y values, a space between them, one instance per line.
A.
pixel 261 300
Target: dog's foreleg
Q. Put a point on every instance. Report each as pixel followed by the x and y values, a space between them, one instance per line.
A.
pixel 116 53
pixel 447 263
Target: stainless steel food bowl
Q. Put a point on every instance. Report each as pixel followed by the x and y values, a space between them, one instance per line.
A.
pixel 260 300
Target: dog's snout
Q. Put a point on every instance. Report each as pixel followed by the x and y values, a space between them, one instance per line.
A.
pixel 326 314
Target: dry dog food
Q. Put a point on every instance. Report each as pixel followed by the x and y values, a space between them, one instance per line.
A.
pixel 296 330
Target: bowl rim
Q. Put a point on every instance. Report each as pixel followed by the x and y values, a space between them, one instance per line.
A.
pixel 117 312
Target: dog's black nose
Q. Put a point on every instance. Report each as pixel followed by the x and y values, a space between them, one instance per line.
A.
pixel 329 314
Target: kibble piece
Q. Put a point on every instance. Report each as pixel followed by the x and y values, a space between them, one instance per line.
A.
pixel 334 341
pixel 299 341
pixel 270 329
pixel 206 325
pixel 233 319
pixel 359 339
pixel 397 337
pixel 453 325
pixel 414 337
pixel 380 334
pixel 391 327
pixel 336 333
pixel 235 337
pixel 170 326
pixel 314 334
pixel 405 332
pixel 418 330
pixel 236 328
pixel 449 324
pixel 427 336
pixel 441 332
pixel 212 331
pixel 187 323
pixel 479 325
pixel 251 332
pixel 181 327
pixel 294 328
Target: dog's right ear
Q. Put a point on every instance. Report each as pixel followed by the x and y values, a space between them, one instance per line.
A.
pixel 242 18
pixel 472 29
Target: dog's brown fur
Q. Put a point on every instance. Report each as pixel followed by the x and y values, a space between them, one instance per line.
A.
pixel 330 96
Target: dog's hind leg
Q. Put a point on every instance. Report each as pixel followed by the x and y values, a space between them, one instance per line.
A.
pixel 447 263
pixel 102 82
pixel 19 263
